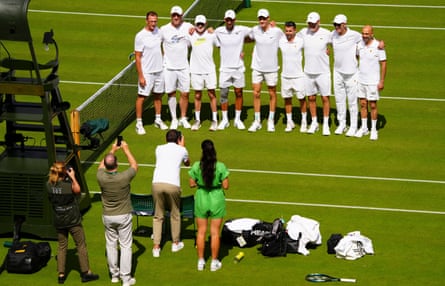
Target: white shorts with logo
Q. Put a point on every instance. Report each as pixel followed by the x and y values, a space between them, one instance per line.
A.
pixel 318 84
pixel 201 81
pixel 177 79
pixel 368 91
pixel 154 82
pixel 233 78
pixel 292 86
pixel 271 78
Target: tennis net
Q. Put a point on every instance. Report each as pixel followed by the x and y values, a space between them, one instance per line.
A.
pixel 214 10
pixel 114 101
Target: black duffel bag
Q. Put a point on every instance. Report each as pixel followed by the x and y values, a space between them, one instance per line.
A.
pixel 27 257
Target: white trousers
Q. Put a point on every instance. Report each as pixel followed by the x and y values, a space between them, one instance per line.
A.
pixel 118 228
pixel 346 88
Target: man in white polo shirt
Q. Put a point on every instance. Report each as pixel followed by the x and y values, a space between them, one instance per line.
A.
pixel 176 66
pixel 166 188
pixel 148 58
pixel 344 43
pixel 316 67
pixel 231 40
pixel 292 75
pixel 203 70
pixel 265 67
pixel 371 78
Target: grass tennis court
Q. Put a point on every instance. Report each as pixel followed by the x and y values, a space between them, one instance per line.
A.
pixel 392 190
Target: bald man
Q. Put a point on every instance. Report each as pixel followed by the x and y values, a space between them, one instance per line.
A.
pixel 117 212
pixel 371 78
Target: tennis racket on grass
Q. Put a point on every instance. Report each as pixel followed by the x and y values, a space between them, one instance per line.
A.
pixel 318 277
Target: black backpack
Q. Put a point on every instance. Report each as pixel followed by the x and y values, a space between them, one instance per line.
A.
pixel 27 257
pixel 243 238
pixel 275 242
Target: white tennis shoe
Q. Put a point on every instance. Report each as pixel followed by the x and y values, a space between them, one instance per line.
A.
pixel 196 125
pixel 223 124
pixel 256 125
pixel 289 126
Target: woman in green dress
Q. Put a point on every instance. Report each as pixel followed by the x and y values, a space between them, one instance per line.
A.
pixel 211 178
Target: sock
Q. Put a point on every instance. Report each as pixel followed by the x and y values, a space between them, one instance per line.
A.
pixel 314 120
pixel 303 117
pixel 374 125
pixel 271 115
pixel 289 117
pixel 215 116
pixel 198 115
pixel 158 117
pixel 325 120
pixel 225 115
pixel 172 106
pixel 258 116
pixel 364 123
pixel 238 115
pixel 139 121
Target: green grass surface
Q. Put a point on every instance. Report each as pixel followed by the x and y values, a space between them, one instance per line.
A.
pixel 403 170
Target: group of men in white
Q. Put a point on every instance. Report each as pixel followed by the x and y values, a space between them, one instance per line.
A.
pixel 161 56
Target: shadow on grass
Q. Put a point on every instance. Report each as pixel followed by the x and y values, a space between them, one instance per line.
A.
pixel 140 250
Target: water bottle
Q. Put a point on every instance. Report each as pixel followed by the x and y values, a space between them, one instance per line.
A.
pixel 238 257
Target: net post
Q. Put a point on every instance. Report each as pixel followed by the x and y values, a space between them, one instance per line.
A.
pixel 75 128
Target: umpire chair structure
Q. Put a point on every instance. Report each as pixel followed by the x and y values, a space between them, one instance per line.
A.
pixel 35 126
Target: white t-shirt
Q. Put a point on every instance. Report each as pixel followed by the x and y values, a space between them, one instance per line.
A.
pixel 231 46
pixel 169 158
pixel 316 61
pixel 345 51
pixel 291 52
pixel 175 44
pixel 201 58
pixel 149 44
pixel 265 52
pixel 370 58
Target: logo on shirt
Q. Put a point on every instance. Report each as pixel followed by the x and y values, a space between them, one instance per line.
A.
pixel 199 41
pixel 176 39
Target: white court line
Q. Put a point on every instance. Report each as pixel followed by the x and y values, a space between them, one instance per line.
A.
pixel 329 206
pixel 240 21
pixel 250 91
pixel 312 175
pixel 336 206
pixel 339 176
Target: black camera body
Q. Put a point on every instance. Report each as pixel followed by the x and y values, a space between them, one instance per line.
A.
pixel 119 140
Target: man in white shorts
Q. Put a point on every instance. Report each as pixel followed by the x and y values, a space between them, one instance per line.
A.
pixel 344 43
pixel 231 40
pixel 148 57
pixel 292 75
pixel 202 70
pixel 176 67
pixel 265 67
pixel 316 67
pixel 371 78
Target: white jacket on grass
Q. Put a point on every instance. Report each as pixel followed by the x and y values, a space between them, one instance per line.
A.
pixel 353 246
pixel 304 229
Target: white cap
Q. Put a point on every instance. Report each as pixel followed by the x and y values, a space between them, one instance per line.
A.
pixel 229 14
pixel 313 17
pixel 176 10
pixel 340 19
pixel 263 13
pixel 200 19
